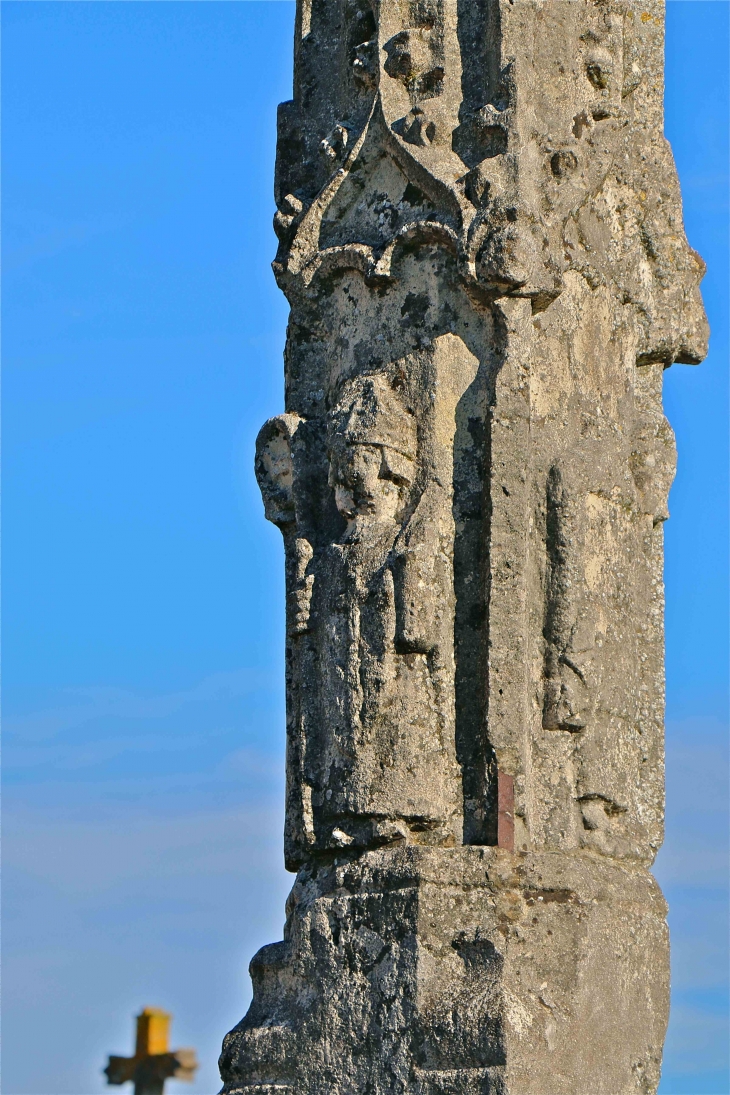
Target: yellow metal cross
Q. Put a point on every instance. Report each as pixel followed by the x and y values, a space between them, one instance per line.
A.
pixel 153 1062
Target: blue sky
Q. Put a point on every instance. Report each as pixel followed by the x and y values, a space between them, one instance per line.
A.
pixel 143 590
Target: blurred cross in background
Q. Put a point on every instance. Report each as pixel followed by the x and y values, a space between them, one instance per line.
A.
pixel 153 1062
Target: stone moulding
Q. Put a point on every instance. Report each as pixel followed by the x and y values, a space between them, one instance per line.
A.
pixel 481 242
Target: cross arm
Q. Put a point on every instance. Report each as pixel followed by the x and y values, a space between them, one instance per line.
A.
pixel 120 1070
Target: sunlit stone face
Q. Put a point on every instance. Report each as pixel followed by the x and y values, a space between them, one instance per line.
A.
pixel 487 276
pixel 362 484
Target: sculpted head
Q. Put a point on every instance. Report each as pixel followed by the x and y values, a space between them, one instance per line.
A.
pixel 372 450
pixel 275 468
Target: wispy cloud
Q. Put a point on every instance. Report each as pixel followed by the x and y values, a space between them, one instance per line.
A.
pixel 692 869
pixel 162 910
pixel 83 705
pixel 33 235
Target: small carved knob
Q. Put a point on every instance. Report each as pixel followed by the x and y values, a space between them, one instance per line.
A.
pixel 334 147
pixel 284 218
pixel 364 63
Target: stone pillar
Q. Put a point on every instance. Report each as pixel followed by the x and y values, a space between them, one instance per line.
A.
pixel 482 245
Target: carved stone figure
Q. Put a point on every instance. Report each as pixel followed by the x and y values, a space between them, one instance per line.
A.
pixel 481 242
pixel 385 764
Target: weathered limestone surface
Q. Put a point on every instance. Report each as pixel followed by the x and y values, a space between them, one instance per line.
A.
pixel 482 245
pixel 462 970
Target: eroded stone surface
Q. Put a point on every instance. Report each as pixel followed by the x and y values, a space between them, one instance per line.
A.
pixel 482 245
pixel 463 970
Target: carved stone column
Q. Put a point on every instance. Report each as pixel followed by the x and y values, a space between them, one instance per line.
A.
pixel 482 245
